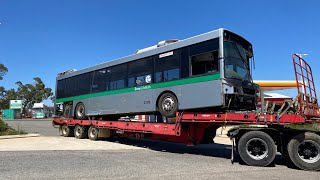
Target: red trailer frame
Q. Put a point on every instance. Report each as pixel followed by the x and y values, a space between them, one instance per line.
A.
pixel 189 127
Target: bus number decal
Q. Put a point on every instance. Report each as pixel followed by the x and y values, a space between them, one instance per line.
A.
pixel 146 102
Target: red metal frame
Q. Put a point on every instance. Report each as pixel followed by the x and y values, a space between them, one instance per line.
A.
pixel 306 92
pixel 141 127
pixel 243 118
pixel 190 127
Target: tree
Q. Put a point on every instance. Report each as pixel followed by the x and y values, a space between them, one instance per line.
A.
pixel 32 93
pixel 6 96
pixel 3 71
pixel 2 97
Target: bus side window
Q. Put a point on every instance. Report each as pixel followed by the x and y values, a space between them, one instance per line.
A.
pixel 140 72
pixel 99 81
pixel 61 89
pixel 117 76
pixel 167 68
pixel 131 81
pixel 82 84
pixel 206 63
pixel 69 87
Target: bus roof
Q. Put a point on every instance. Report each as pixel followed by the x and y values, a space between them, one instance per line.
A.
pixel 179 44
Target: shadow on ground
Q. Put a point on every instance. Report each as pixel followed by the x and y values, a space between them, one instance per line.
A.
pixel 212 150
pixel 215 150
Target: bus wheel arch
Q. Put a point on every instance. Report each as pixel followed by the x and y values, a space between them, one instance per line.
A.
pixel 67 109
pixel 79 111
pixel 167 104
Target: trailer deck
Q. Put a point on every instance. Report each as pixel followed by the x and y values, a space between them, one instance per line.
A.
pixel 173 129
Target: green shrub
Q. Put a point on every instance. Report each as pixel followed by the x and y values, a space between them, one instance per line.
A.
pixel 3 126
pixel 7 130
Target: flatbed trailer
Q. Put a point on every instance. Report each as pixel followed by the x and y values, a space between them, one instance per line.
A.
pixel 256 146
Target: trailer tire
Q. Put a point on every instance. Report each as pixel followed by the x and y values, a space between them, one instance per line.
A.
pixel 304 151
pixel 93 133
pixel 168 105
pixel 80 132
pixel 257 148
pixel 67 131
pixel 80 111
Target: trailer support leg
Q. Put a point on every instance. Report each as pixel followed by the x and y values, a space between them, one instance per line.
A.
pixel 232 150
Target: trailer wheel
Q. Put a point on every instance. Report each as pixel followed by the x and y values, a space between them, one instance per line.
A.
pixel 304 151
pixel 80 111
pixel 257 148
pixel 168 105
pixel 67 131
pixel 93 133
pixel 80 132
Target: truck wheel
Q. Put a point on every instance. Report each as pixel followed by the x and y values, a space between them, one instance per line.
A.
pixel 93 133
pixel 80 132
pixel 304 151
pixel 257 148
pixel 168 105
pixel 67 131
pixel 80 111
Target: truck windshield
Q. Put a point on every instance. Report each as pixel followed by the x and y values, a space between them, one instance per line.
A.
pixel 236 61
pixel 38 110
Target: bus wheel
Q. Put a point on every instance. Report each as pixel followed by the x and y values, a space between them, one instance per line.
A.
pixel 80 111
pixel 80 132
pixel 304 151
pixel 257 148
pixel 67 131
pixel 168 105
pixel 93 133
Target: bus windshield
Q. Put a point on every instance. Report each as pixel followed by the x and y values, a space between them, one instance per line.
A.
pixel 236 61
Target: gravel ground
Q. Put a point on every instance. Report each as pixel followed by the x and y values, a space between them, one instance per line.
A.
pixel 136 164
pixel 53 157
pixel 41 126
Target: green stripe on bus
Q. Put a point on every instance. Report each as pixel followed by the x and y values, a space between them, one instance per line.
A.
pixel 144 87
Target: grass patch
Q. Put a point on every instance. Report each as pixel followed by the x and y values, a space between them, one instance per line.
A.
pixel 246 126
pixel 7 130
pixel 306 126
pixel 311 126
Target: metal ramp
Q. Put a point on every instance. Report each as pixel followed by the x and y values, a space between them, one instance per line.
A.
pixel 307 96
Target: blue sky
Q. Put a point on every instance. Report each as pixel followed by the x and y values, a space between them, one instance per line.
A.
pixel 42 38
